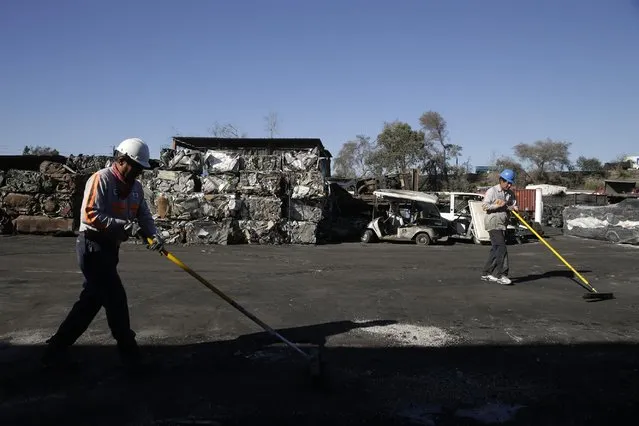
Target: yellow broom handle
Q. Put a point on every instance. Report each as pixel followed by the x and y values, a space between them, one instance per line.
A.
pixel 232 302
pixel 521 219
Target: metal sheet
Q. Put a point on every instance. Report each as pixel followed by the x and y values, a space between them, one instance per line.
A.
pixel 477 214
pixel 525 199
pixel 406 194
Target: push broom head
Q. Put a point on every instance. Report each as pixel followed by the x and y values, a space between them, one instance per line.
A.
pixel 595 297
pixel 316 367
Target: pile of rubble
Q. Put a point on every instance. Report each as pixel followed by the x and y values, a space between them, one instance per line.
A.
pixel 553 215
pixel 217 197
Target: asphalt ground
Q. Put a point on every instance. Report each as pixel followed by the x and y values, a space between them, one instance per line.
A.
pixel 411 335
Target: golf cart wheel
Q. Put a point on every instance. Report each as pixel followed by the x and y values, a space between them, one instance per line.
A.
pixel 423 239
pixel 368 236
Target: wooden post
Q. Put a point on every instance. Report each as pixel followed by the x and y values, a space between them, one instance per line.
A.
pixel 415 179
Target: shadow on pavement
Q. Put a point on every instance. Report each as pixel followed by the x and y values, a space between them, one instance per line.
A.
pixel 551 274
pixel 314 334
pixel 250 381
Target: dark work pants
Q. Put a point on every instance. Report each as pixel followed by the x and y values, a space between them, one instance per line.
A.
pixel 497 264
pixel 102 287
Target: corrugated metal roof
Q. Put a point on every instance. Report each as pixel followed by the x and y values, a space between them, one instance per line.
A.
pixel 198 142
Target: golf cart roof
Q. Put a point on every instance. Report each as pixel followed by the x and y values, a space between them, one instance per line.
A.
pixel 474 194
pixel 405 194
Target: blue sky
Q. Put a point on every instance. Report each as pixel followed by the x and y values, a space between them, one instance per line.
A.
pixel 82 75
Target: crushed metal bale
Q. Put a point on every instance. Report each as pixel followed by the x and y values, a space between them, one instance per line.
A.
pixel 220 183
pixel 307 210
pixel 300 160
pixel 222 162
pixel 87 164
pixel 196 196
pixel 261 183
pixel 186 160
pixel 306 185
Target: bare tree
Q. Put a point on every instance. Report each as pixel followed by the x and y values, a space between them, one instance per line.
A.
pixel 226 131
pixel 352 159
pixel 436 128
pixel 454 151
pixel 544 156
pixel 436 131
pixel 272 124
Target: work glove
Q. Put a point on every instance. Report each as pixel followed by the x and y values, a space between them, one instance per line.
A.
pixel 132 229
pixel 157 244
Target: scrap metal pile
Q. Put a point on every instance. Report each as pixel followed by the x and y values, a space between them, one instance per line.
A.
pixel 45 200
pixel 554 206
pixel 197 197
pixel 226 197
pixel 617 223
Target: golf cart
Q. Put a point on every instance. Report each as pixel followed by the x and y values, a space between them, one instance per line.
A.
pixel 455 208
pixel 465 216
pixel 402 215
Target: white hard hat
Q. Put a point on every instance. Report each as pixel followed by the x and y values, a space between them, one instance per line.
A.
pixel 137 150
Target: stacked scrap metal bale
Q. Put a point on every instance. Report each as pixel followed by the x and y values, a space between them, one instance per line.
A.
pixel 260 190
pixel 38 201
pixel 86 165
pixel 46 198
pixel 5 219
pixel 196 196
pixel 228 197
pixel 306 207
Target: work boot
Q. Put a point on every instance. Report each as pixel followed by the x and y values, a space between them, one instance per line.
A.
pixel 57 356
pixel 132 360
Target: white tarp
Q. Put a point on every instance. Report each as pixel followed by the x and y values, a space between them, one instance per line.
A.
pixel 549 189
